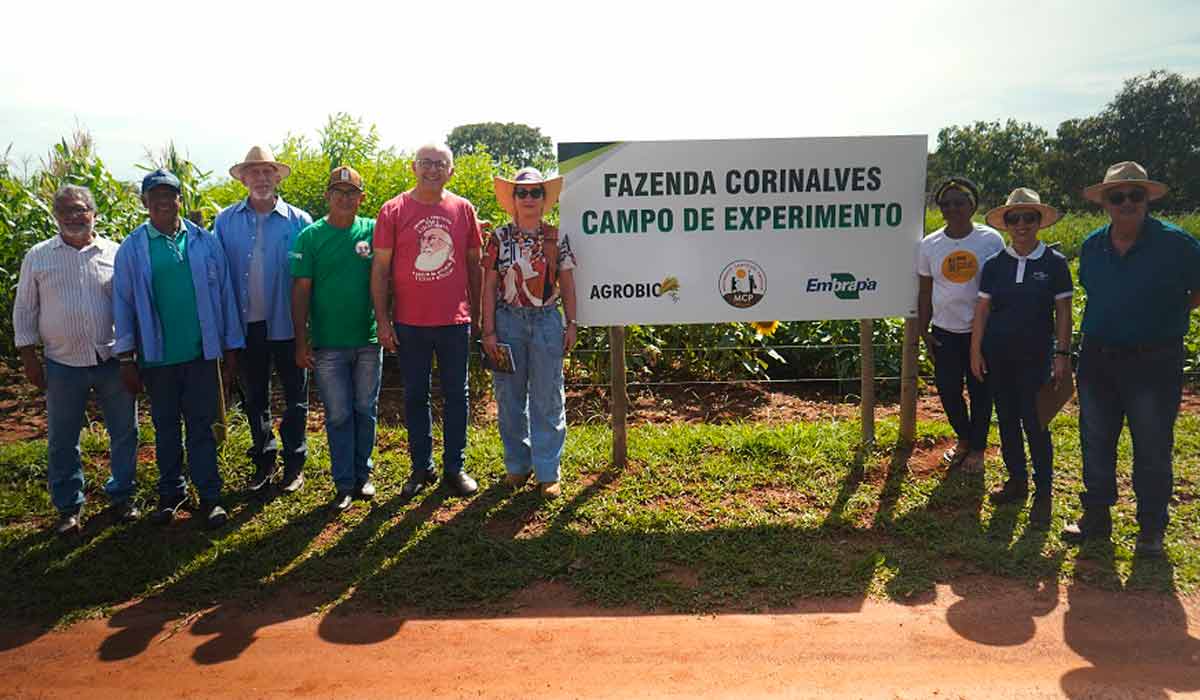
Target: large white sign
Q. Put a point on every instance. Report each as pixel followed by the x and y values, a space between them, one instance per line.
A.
pixel 768 229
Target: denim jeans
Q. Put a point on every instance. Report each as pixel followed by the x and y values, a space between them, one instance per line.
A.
pixel 533 419
pixel 254 373
pixel 348 382
pixel 1014 382
pixel 185 392
pixel 1145 386
pixel 67 390
pixel 417 347
pixel 952 366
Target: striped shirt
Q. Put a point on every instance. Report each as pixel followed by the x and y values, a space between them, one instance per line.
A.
pixel 64 301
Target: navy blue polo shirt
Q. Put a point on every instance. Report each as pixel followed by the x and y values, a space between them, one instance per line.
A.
pixel 1142 297
pixel 1022 292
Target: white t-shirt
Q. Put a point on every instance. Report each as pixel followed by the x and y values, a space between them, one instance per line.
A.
pixel 954 265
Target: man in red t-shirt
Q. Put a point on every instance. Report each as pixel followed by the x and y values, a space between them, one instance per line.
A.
pixel 427 248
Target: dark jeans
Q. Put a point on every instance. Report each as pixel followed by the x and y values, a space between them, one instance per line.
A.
pixel 186 391
pixel 254 373
pixel 1014 382
pixel 417 347
pixel 951 367
pixel 1144 385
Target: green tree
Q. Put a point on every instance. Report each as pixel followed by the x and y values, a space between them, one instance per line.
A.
pixel 514 143
pixel 998 157
pixel 1153 120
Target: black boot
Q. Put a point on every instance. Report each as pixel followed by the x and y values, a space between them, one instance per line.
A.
pixel 1095 524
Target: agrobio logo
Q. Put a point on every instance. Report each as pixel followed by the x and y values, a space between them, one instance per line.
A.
pixel 843 285
pixel 742 284
pixel 637 290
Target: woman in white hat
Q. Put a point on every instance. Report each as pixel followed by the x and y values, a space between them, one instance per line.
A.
pixel 527 270
pixel 1022 319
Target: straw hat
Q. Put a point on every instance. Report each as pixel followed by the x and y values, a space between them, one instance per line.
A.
pixel 1125 173
pixel 529 177
pixel 1022 198
pixel 259 155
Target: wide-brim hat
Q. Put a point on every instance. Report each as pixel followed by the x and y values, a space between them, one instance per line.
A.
pixel 528 177
pixel 1022 198
pixel 1125 173
pixel 258 155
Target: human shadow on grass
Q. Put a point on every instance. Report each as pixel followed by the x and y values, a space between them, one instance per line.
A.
pixel 152 615
pixel 1142 648
pixel 45 580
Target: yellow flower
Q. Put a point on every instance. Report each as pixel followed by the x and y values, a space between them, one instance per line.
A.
pixel 765 327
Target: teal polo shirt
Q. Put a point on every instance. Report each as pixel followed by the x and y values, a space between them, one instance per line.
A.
pixel 174 298
pixel 1142 297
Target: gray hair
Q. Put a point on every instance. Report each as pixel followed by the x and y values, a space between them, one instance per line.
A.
pixel 74 192
pixel 439 147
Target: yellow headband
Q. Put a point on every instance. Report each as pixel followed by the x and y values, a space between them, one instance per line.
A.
pixel 955 185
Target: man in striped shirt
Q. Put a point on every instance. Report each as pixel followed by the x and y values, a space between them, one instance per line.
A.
pixel 64 302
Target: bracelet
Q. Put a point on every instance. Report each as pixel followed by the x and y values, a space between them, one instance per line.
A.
pixel 571 322
pixel 1063 352
pixel 128 360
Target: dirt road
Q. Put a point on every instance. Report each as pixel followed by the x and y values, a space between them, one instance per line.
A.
pixel 979 639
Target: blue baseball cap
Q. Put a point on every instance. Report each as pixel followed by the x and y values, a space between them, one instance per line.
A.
pixel 162 176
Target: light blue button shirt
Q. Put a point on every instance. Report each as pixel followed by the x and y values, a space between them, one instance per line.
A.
pixel 236 228
pixel 137 325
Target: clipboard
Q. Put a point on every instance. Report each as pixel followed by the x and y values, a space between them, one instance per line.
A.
pixel 1051 399
pixel 507 364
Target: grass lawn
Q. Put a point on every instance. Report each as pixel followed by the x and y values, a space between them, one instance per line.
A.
pixel 705 517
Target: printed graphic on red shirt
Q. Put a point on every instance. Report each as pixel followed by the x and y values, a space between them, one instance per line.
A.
pixel 436 259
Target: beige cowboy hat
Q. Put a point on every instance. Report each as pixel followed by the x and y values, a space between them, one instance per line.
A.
pixel 255 156
pixel 1022 198
pixel 526 176
pixel 1125 173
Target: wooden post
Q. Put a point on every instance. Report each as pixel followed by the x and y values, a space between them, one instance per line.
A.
pixel 866 330
pixel 908 383
pixel 619 398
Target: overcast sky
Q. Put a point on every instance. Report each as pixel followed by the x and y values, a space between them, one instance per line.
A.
pixel 217 77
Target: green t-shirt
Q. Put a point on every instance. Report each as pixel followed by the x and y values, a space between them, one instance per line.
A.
pixel 174 298
pixel 338 261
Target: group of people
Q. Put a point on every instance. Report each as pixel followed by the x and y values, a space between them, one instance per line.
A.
pixel 997 318
pixel 181 313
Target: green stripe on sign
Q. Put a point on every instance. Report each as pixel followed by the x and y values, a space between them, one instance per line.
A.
pixel 573 155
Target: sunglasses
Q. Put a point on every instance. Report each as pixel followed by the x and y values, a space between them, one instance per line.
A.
pixel 1022 217
pixel 1118 198
pixel 535 192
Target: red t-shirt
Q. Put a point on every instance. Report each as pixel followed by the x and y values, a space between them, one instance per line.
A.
pixel 429 244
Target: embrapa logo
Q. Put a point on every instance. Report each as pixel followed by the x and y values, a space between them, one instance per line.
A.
pixel 843 285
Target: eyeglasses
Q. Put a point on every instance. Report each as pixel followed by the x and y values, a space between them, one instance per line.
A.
pixel 73 212
pixel 1136 195
pixel 535 192
pixel 428 164
pixel 1013 218
pixel 344 191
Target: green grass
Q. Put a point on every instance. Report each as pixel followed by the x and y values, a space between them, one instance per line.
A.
pixel 705 517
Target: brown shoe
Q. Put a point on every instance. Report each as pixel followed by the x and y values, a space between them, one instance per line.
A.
pixel 551 489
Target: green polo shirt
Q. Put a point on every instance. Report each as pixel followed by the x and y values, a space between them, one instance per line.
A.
pixel 174 298
pixel 338 261
pixel 1142 297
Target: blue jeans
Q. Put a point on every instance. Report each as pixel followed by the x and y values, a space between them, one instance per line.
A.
pixel 1014 382
pixel 533 419
pixel 1145 386
pixel 254 374
pixel 417 347
pixel 951 366
pixel 67 390
pixel 348 382
pixel 185 392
